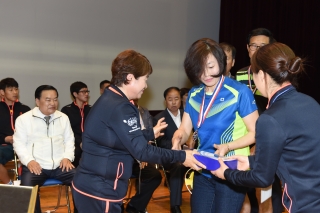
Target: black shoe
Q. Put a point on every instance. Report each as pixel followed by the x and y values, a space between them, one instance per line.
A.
pixel 175 209
pixel 131 209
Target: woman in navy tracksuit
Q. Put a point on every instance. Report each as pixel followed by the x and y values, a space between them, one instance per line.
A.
pixel 287 134
pixel 113 138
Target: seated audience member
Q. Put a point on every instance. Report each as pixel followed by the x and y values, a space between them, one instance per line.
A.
pixel 44 142
pixel 173 116
pixel 10 109
pixel 104 84
pixel 230 52
pixel 77 112
pixel 150 177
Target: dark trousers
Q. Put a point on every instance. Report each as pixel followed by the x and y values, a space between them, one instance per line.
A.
pixel 91 205
pixel 77 156
pixel 276 197
pixel 30 179
pixel 177 172
pixel 150 180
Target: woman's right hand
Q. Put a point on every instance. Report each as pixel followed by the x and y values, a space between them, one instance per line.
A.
pixel 243 162
pixel 192 162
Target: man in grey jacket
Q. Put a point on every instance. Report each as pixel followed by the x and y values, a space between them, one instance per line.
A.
pixel 44 142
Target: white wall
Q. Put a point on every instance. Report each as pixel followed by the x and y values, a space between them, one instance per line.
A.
pixel 58 42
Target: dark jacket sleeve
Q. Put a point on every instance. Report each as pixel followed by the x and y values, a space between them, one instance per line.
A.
pixel 270 139
pixel 125 119
pixel 2 137
pixel 148 134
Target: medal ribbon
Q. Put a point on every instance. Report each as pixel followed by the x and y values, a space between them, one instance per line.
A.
pixel 11 113
pixel 204 112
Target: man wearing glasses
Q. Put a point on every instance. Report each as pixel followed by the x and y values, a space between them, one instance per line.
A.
pixel 77 112
pixel 256 39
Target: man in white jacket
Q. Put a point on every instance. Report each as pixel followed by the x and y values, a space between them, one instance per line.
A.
pixel 44 142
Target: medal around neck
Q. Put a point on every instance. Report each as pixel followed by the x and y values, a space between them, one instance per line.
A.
pixel 210 160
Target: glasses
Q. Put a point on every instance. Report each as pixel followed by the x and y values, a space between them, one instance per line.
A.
pixel 254 47
pixel 84 91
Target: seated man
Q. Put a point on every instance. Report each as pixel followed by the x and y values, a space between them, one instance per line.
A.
pixel 77 112
pixel 10 109
pixel 150 177
pixel 173 116
pixel 44 142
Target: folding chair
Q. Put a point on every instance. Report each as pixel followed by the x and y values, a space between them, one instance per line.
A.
pixel 131 183
pixel 165 177
pixel 54 182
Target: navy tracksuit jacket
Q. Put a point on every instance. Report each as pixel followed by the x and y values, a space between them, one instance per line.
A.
pixel 111 140
pixel 288 144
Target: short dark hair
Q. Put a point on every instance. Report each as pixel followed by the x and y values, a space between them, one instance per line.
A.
pixel 104 82
pixel 184 91
pixel 8 82
pixel 228 47
pixel 41 88
pixel 279 61
pixel 129 62
pixel 165 93
pixel 76 87
pixel 197 56
pixel 261 31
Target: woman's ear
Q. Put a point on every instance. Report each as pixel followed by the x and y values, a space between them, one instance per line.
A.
pixel 261 75
pixel 130 77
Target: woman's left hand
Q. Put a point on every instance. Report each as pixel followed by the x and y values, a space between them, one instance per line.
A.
pixel 220 172
pixel 221 149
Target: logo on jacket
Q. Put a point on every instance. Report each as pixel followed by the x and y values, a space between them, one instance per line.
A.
pixel 133 123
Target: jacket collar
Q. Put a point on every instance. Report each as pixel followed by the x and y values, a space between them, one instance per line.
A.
pixel 37 113
pixel 118 90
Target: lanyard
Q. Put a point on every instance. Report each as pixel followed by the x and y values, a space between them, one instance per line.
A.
pixel 11 113
pixel 204 112
pixel 271 97
pixel 81 113
pixel 249 81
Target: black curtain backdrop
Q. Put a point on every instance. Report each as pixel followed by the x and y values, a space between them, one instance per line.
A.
pixel 295 23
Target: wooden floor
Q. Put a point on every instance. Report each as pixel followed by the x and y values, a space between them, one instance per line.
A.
pixel 48 197
pixel 162 205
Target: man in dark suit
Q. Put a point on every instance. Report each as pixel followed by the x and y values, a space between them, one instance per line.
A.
pixel 150 177
pixel 173 116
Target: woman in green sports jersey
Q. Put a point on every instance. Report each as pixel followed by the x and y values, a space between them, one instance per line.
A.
pixel 223 113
